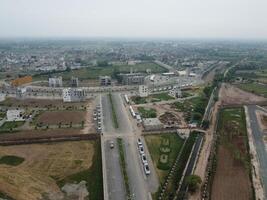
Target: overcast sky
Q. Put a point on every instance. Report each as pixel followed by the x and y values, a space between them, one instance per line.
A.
pixel 134 18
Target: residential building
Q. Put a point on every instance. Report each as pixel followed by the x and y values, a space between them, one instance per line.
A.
pixel 176 92
pixel 21 92
pixel 74 82
pixel 55 82
pixel 73 95
pixel 105 80
pixel 143 90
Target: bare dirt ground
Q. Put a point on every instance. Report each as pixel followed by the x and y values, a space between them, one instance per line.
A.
pixel 39 102
pixel 65 117
pixel 34 178
pixel 231 95
pixel 231 181
pixel 262 120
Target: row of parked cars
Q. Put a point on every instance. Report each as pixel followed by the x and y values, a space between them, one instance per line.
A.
pixel 143 156
pixel 97 118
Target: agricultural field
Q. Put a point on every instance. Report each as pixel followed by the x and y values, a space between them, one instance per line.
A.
pixel 67 170
pixel 147 112
pixel 164 149
pixel 94 72
pixel 255 88
pixel 152 98
pixel 232 175
pixel 64 117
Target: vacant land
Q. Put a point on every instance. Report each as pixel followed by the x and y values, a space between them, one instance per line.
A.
pixel 233 95
pixel 232 175
pixel 255 88
pixel 94 72
pixel 152 98
pixel 47 167
pixel 147 112
pixel 164 149
pixel 64 117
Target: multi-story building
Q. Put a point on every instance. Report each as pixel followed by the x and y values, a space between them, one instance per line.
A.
pixel 133 79
pixel 105 80
pixel 55 82
pixel 74 82
pixel 21 92
pixel 73 95
pixel 143 90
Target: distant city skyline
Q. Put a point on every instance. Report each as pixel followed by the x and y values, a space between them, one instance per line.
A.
pixel 214 19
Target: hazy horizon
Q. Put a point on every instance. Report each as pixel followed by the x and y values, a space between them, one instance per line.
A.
pixel 139 19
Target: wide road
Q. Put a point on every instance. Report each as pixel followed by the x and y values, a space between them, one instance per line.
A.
pixel 258 140
pixel 140 184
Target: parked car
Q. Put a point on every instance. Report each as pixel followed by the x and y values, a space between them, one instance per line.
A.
pixel 146 168
pixel 144 159
pixel 141 149
pixel 139 142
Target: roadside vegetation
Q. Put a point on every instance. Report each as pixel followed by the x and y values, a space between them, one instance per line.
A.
pixel 123 167
pixel 147 112
pixel 10 126
pixel 114 115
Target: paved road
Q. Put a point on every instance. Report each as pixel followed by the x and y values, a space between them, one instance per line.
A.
pixel 140 184
pixel 260 146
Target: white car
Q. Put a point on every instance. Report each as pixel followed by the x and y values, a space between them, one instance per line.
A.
pixel 146 168
pixel 139 142
pixel 144 159
pixel 141 149
pixel 111 144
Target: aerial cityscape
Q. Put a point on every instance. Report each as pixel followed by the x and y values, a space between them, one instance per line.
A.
pixel 92 108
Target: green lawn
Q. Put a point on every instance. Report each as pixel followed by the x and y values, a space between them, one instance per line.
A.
pixel 7 126
pixel 92 176
pixel 147 112
pixel 164 144
pixel 255 88
pixel 162 96
pixel 94 72
pixel 11 160
pixel 2 115
pixel 152 98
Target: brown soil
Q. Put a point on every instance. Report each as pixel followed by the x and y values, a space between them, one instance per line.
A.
pixel 65 117
pixel 43 163
pixel 231 95
pixel 231 180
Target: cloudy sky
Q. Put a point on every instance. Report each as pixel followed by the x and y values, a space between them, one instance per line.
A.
pixel 134 18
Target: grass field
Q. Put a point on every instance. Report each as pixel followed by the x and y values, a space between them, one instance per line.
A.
pixel 47 167
pixel 255 88
pixel 11 160
pixel 232 174
pixel 95 72
pixel 164 149
pixel 7 126
pixel 147 112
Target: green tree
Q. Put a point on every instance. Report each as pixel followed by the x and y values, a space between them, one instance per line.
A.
pixel 193 182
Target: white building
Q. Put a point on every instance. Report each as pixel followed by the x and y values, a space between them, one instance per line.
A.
pixel 73 95
pixel 176 93
pixel 2 97
pixel 21 92
pixel 152 124
pixel 143 90
pixel 14 115
pixel 55 82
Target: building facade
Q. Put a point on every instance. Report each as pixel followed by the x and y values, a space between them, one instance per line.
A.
pixel 133 79
pixel 143 91
pixel 55 82
pixel 73 95
pixel 105 80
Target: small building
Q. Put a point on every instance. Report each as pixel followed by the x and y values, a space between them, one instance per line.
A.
pixel 14 115
pixel 55 82
pixel 105 80
pixel 21 92
pixel 73 95
pixel 133 79
pixel 74 82
pixel 2 97
pixel 176 93
pixel 151 124
pixel 143 91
